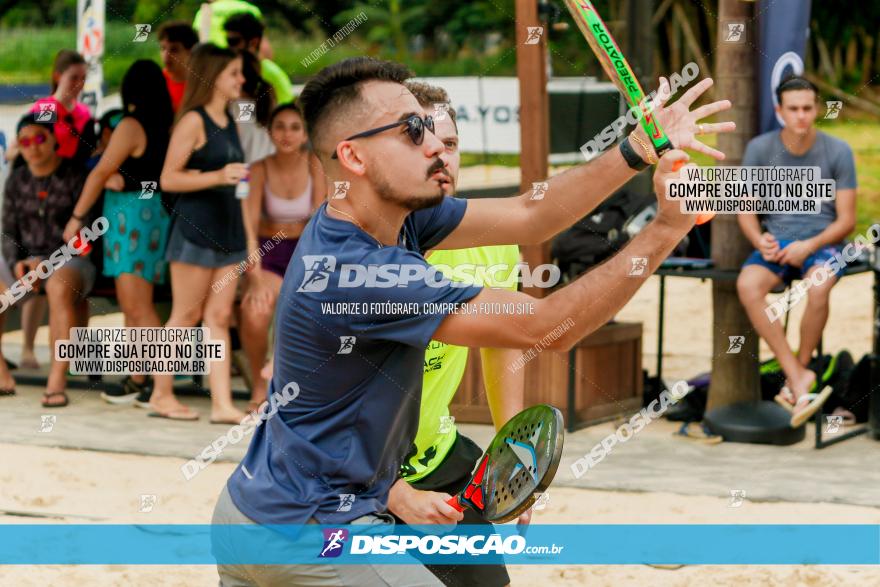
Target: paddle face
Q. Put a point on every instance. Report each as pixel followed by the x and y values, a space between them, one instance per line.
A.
pixel 521 461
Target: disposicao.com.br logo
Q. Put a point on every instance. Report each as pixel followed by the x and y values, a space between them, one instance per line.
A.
pixel 321 270
pixel 394 544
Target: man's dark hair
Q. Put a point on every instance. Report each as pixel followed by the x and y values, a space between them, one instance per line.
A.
pixel 428 95
pixel 795 82
pixel 337 86
pixel 179 31
pixel 245 24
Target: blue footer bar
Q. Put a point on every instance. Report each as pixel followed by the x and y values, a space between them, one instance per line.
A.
pixel 92 544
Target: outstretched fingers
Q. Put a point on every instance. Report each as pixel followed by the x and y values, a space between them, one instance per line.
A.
pixel 716 127
pixel 709 109
pixel 695 145
pixel 695 92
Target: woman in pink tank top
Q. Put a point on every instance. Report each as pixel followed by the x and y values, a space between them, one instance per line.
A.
pixel 285 190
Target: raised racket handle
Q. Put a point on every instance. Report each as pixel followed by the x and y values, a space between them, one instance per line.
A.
pixel 453 501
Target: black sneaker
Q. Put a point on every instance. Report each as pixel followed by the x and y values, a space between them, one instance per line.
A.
pixel 124 394
pixel 145 391
pixel 143 399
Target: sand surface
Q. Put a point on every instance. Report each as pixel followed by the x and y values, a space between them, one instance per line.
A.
pixel 106 486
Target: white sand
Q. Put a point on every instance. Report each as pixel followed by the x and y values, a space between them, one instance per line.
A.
pixel 109 486
pixel 687 339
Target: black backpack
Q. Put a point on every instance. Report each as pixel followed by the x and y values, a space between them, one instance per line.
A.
pixel 597 236
pixel 855 395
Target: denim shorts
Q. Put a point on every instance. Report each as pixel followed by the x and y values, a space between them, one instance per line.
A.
pixel 788 273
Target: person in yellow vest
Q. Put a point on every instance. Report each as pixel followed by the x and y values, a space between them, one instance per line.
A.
pixel 441 459
pixel 219 11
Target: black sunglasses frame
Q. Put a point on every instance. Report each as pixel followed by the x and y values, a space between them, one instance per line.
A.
pixel 426 123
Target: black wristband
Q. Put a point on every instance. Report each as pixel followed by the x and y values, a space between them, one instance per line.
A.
pixel 631 157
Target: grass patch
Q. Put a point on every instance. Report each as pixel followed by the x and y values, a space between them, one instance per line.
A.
pixel 26 55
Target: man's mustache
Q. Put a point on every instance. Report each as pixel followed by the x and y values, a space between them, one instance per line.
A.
pixel 437 165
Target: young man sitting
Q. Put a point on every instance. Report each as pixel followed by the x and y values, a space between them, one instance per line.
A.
pixel 795 246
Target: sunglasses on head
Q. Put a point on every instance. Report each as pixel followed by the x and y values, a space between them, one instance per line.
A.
pixel 415 129
pixel 36 140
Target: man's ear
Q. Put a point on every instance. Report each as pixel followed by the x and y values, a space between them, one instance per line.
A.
pixel 350 158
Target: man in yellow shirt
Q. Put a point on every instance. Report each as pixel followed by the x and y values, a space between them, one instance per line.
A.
pixel 441 459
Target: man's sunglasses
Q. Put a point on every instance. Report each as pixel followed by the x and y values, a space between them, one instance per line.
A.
pixel 36 140
pixel 415 128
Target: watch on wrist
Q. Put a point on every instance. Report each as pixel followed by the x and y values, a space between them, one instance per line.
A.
pixel 632 158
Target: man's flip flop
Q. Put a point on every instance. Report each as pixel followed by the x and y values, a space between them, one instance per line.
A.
pixel 185 415
pixel 49 394
pixel 785 399
pixel 815 402
pixel 7 391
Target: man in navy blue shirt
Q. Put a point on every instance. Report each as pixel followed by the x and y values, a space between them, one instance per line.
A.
pixel 359 303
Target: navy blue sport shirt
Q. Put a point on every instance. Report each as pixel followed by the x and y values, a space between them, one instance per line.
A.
pixel 334 451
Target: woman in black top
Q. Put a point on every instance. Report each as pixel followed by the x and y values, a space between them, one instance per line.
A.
pixel 134 249
pixel 208 240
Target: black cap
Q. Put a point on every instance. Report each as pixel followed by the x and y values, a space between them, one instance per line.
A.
pixel 31 118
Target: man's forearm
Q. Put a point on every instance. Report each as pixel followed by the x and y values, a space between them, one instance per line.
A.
pixel 598 295
pixel 834 233
pixel 573 194
pixel 751 228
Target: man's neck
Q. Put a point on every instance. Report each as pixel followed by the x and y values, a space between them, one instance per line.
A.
pixel 177 76
pixel 380 219
pixel 798 144
pixel 46 168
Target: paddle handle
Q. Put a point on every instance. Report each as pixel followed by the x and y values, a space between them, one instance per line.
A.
pixel 454 502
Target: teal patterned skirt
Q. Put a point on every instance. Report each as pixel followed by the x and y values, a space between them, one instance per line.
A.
pixel 137 237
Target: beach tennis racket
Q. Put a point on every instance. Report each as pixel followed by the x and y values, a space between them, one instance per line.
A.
pixel 521 461
pixel 621 75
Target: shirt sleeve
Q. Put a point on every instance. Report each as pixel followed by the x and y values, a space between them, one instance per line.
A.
pixel 432 225
pixel 410 312
pixel 751 155
pixel 844 170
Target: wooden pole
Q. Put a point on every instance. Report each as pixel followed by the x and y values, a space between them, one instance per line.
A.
pixel 531 69
pixel 638 44
pixel 734 375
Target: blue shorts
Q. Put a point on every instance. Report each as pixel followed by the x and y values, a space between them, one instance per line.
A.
pixel 788 273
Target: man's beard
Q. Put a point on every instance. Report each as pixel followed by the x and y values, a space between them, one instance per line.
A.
pixel 412 203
